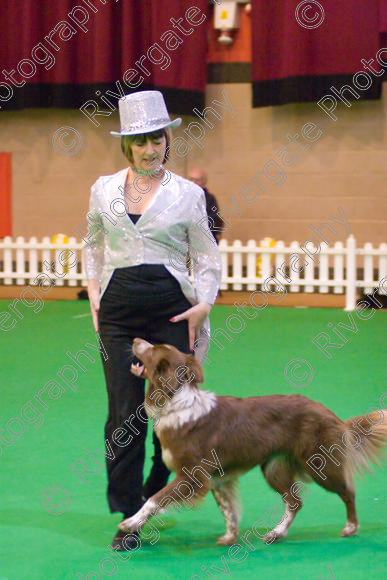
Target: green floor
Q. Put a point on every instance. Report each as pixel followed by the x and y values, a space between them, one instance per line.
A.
pixel 36 544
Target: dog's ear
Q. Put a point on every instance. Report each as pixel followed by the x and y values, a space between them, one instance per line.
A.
pixel 162 366
pixel 195 373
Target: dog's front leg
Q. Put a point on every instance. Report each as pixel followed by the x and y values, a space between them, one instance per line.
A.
pixel 178 493
pixel 136 522
pixel 225 494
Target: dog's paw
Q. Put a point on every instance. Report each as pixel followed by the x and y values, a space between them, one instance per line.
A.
pixel 349 530
pixel 272 537
pixel 129 525
pixel 226 540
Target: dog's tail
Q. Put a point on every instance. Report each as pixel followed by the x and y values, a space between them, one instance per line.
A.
pixel 366 438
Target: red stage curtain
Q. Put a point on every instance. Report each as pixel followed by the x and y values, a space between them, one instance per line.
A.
pixel 5 195
pixel 383 25
pixel 291 63
pixel 94 43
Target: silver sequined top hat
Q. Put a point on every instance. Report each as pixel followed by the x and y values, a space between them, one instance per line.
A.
pixel 143 112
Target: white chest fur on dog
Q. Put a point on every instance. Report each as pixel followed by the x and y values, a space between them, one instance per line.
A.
pixel 168 458
pixel 186 405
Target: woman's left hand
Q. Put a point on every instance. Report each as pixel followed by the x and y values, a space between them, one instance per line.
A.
pixel 195 316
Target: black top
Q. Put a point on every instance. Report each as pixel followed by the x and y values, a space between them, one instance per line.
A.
pixel 134 217
pixel 145 280
pixel 215 222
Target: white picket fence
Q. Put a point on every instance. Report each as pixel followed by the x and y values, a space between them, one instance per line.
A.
pixel 343 268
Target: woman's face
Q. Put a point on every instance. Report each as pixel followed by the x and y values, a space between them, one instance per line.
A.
pixel 148 151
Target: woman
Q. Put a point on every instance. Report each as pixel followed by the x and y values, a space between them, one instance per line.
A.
pixel 143 223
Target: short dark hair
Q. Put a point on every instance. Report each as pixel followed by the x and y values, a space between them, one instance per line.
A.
pixel 128 140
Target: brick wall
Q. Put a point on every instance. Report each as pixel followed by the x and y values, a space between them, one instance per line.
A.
pixel 346 166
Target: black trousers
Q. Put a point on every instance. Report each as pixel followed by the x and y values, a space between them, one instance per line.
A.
pixel 138 302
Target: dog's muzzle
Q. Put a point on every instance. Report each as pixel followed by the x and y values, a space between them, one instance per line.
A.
pixel 140 346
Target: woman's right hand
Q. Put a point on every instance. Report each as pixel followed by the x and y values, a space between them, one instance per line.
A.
pixel 93 288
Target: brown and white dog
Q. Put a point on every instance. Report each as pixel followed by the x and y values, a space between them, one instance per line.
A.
pixel 289 436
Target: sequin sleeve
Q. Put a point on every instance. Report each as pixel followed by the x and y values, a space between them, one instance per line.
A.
pixel 204 253
pixel 93 250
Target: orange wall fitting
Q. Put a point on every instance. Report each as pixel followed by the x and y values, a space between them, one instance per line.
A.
pixel 240 50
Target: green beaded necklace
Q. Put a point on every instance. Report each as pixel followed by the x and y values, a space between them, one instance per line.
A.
pixel 144 172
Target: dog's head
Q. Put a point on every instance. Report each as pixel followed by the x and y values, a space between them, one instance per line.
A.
pixel 166 368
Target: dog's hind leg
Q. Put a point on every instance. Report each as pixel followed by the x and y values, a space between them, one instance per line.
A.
pixel 225 494
pixel 352 523
pixel 339 479
pixel 279 473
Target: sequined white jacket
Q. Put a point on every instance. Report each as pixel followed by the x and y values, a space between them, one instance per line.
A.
pixel 175 223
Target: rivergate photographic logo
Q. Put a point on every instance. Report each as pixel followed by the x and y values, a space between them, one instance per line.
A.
pixel 310 14
pixel 361 80
pixel 157 54
pixel 67 141
pixel 43 56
